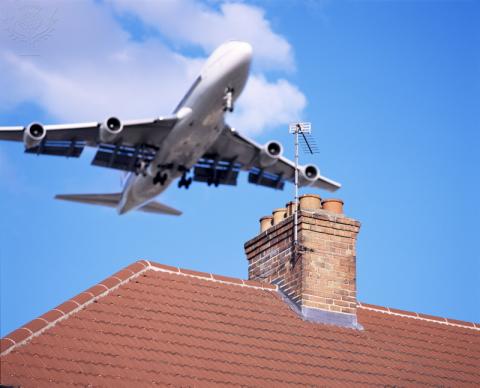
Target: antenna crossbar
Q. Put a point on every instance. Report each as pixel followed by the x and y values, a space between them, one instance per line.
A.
pixel 300 128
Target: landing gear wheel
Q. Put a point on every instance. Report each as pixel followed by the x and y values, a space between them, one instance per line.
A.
pixel 184 182
pixel 141 168
pixel 211 181
pixel 160 178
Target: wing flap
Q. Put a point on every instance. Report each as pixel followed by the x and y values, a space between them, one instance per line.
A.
pixel 123 158
pixel 218 172
pixel 70 149
pixel 262 178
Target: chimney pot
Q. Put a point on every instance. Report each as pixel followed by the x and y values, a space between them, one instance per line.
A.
pixel 310 202
pixel 333 205
pixel 265 223
pixel 290 208
pixel 279 215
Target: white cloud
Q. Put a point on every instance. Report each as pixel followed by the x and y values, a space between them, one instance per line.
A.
pixel 130 83
pixel 265 105
pixel 88 68
pixel 192 22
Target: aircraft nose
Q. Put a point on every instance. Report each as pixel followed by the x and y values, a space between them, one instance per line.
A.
pixel 244 51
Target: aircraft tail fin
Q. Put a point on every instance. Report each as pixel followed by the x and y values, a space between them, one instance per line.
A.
pixel 112 200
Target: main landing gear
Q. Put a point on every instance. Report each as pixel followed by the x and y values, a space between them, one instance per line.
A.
pixel 160 178
pixel 141 167
pixel 213 181
pixel 228 100
pixel 184 181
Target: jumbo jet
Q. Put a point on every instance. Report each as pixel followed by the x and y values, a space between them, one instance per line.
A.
pixel 192 144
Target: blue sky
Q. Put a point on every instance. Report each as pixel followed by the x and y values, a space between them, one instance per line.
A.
pixel 392 90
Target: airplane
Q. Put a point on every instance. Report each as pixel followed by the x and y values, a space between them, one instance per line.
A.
pixel 194 143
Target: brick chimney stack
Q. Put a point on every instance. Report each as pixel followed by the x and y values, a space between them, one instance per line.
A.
pixel 320 283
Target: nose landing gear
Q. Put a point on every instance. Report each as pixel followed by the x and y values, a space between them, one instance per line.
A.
pixel 228 100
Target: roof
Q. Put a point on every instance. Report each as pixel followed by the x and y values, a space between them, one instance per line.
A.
pixel 151 323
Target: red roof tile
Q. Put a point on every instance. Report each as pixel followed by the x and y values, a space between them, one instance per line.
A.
pixel 155 324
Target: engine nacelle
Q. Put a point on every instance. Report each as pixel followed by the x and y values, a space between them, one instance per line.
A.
pixel 270 153
pixel 308 174
pixel 33 135
pixel 110 130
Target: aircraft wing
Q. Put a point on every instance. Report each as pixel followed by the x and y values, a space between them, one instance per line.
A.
pixel 234 152
pixel 137 139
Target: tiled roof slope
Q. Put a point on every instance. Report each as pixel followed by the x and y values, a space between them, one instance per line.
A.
pixel 156 325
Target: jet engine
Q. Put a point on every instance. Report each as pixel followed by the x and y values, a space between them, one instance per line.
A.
pixel 33 135
pixel 270 153
pixel 110 129
pixel 308 174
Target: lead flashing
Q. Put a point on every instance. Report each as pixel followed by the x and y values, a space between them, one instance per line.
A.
pixel 315 315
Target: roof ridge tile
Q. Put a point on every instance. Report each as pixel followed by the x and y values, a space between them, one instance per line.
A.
pixel 420 316
pixel 212 277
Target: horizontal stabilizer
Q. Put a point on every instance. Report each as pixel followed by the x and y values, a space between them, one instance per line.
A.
pixel 159 208
pixel 112 200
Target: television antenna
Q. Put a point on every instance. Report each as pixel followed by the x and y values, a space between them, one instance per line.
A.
pixel 302 132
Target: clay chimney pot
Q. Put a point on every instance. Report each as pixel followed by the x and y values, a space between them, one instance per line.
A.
pixel 333 205
pixel 279 215
pixel 265 223
pixel 290 208
pixel 310 202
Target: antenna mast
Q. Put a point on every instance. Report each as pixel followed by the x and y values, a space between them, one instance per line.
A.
pixel 298 129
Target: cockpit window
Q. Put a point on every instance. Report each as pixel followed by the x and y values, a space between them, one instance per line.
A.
pixel 190 91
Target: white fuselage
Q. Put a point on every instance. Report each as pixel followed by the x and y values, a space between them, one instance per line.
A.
pixel 201 120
